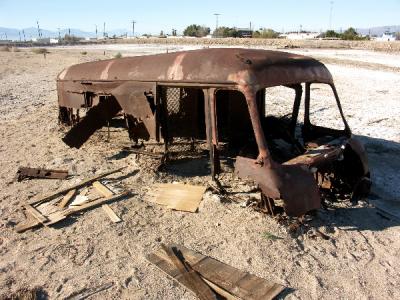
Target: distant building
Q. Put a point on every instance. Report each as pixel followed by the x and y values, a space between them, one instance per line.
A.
pixel 245 32
pixel 387 37
pixel 300 35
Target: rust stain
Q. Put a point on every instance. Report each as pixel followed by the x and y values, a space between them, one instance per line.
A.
pixel 104 73
pixel 175 72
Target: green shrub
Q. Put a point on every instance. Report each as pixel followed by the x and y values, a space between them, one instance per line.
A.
pixel 196 30
pixel 266 34
pixel 118 55
pixel 83 52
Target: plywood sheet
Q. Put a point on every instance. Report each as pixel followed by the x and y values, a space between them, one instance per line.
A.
pixel 178 196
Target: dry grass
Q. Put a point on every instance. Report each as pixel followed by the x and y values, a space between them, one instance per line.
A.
pixel 40 50
pixel 15 49
pixel 4 49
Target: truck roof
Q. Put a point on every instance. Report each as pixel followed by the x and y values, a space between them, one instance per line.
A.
pixel 236 66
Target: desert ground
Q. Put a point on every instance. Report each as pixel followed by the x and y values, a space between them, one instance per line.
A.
pixel 360 260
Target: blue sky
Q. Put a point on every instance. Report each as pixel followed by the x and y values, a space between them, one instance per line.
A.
pixel 152 16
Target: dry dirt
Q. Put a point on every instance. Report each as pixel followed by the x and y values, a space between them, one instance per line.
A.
pixel 89 252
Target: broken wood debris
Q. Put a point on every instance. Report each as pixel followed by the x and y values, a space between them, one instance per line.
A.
pixel 63 203
pixel 192 278
pixel 36 218
pixel 183 197
pixel 76 186
pixel 25 172
pixel 60 215
pixel 226 279
pixel 106 192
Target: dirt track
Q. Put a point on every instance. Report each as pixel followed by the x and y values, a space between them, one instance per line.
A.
pixel 360 260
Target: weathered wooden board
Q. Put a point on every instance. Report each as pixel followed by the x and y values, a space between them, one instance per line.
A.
pixel 192 278
pixel 235 282
pixel 76 186
pixel 63 203
pixel 110 213
pixel 106 192
pixel 102 189
pixel 35 213
pixel 60 215
pixel 182 197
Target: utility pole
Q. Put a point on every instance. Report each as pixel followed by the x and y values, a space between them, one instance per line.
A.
pixel 330 16
pixel 216 21
pixel 104 30
pixel 38 29
pixel 19 33
pixel 59 34
pixel 96 30
pixel 23 33
pixel 133 28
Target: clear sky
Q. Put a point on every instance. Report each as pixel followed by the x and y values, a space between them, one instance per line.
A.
pixel 152 16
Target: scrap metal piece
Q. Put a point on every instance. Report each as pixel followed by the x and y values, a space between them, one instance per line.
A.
pixel 96 118
pixel 24 172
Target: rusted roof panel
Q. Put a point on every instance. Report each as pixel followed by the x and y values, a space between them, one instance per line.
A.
pixel 242 67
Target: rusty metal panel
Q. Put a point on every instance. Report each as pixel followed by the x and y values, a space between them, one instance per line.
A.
pixel 24 172
pixel 135 101
pixel 293 184
pixel 252 67
pixel 95 118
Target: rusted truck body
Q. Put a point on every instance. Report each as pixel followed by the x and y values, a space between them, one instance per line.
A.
pixel 218 95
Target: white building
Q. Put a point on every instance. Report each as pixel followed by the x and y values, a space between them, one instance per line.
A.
pixel 300 35
pixel 387 37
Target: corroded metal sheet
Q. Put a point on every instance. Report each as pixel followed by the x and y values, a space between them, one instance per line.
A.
pixel 236 66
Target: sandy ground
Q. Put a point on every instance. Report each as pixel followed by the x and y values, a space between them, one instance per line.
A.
pixel 359 261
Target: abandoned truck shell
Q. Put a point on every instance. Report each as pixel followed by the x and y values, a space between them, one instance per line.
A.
pixel 219 95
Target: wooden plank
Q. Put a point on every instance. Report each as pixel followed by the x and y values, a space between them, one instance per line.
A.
pixel 60 215
pixel 106 192
pixel 110 213
pixel 198 286
pixel 238 283
pixel 76 186
pixel 102 189
pixel 29 223
pixel 35 213
pixel 183 197
pixel 63 203
pixel 220 291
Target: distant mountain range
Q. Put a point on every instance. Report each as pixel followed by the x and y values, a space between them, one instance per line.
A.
pixel 32 32
pixel 378 31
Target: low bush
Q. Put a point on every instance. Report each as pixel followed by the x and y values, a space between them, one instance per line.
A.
pixel 40 50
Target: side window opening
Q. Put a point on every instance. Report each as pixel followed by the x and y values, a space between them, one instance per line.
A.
pixel 324 111
pixel 235 130
pixel 280 123
pixel 184 112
